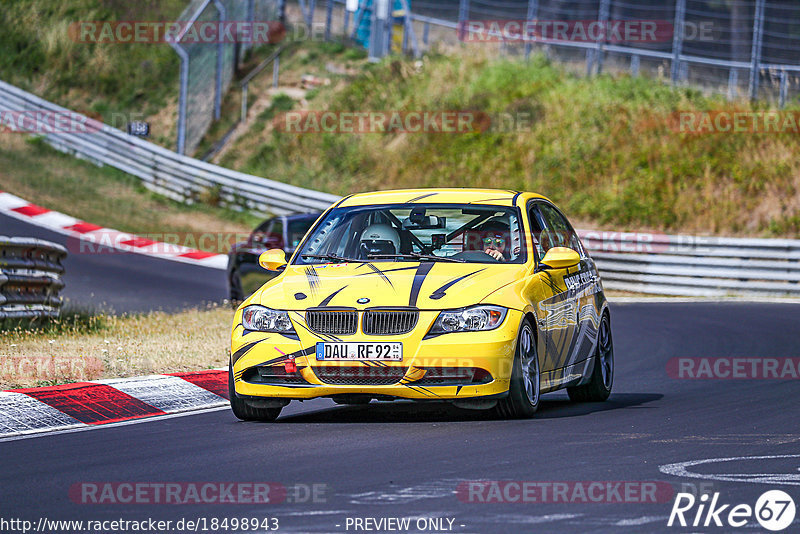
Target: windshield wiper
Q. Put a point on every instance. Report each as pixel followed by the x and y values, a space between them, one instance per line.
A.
pixel 332 257
pixel 417 255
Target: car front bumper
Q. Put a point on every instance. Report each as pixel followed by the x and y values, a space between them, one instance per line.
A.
pixel 450 366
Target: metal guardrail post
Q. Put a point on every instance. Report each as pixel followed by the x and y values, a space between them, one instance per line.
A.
pixel 678 29
pixel 755 53
pixel 531 15
pixel 635 65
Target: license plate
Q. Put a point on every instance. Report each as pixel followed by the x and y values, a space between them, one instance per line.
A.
pixel 360 351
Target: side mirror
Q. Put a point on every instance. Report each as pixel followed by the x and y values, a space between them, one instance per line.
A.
pixel 559 258
pixel 272 259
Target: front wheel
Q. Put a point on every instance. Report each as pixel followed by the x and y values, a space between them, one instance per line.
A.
pixel 524 388
pixel 599 387
pixel 245 412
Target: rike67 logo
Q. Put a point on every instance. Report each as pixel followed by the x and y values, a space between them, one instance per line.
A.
pixel 774 510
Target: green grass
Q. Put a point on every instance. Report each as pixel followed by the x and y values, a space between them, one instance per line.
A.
pixel 41 56
pixel 600 147
pixel 105 196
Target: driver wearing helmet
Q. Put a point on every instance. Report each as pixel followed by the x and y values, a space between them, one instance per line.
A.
pixel 378 239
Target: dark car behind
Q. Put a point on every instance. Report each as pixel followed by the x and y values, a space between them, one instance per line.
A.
pixel 245 275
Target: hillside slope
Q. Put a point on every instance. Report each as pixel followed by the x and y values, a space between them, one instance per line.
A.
pixel 604 148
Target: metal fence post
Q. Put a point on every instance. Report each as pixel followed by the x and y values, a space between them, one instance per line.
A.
pixel 328 19
pixel 282 11
pixel 379 32
pixel 603 16
pixel 243 113
pixel 183 95
pixel 677 39
pixel 251 18
pixel 220 54
pixel 755 53
pixel 533 13
pixel 409 35
pixel 463 14
pixel 276 70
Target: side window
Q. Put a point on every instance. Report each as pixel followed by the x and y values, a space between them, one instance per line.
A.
pixel 557 232
pixel 537 227
pixel 275 235
pixel 259 235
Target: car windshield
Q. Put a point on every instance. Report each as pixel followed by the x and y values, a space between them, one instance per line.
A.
pixel 414 232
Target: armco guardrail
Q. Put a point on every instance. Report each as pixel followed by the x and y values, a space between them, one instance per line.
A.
pixel 30 277
pixel 695 265
pixel 179 177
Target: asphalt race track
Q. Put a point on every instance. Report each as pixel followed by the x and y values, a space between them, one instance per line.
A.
pixel 127 282
pixel 407 460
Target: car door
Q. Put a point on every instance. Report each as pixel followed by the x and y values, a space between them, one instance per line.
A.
pixel 580 283
pixel 559 308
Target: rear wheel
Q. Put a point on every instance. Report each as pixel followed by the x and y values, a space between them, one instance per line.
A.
pixel 245 412
pixel 524 388
pixel 599 387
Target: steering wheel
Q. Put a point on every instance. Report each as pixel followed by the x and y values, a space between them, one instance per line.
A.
pixel 476 256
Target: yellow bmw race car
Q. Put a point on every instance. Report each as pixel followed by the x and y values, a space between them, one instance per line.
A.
pixel 484 298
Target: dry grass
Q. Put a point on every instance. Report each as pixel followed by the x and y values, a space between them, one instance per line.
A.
pixel 120 347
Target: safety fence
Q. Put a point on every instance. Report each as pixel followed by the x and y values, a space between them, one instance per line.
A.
pixel 30 277
pixel 737 47
pixel 207 68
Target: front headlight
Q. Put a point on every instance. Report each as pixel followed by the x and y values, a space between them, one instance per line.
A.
pixel 263 319
pixel 474 319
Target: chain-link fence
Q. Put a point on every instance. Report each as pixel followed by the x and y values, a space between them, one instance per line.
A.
pixel 209 55
pixel 742 48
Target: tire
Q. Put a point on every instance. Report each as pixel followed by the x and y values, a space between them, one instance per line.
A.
pixel 599 386
pixel 524 389
pixel 245 412
pixel 236 293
